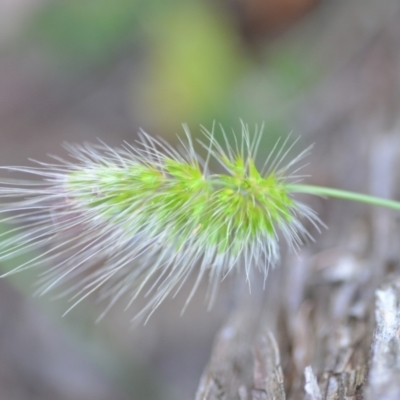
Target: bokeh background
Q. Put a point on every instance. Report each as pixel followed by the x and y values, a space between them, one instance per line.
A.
pixel 78 71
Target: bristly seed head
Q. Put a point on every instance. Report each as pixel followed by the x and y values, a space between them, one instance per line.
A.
pixel 140 220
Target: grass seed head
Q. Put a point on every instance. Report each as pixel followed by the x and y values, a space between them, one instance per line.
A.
pixel 140 219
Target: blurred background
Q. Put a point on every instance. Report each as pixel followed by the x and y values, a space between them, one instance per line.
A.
pixel 77 71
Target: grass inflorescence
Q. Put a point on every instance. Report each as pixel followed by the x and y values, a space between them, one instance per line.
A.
pixel 139 220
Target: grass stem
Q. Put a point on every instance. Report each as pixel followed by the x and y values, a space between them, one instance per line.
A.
pixel 344 194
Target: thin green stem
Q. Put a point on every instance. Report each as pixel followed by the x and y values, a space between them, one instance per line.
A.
pixel 343 194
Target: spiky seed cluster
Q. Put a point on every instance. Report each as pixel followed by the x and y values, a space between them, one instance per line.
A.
pixel 140 220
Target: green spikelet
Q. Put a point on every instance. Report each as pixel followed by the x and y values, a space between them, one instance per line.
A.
pixel 141 219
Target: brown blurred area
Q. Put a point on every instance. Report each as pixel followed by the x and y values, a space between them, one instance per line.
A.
pixel 76 72
pixel 260 19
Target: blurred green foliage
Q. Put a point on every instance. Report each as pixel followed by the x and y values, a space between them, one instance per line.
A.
pixel 194 63
pixel 85 31
pixel 92 31
pixel 195 68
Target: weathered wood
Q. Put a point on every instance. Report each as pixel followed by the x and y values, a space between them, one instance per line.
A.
pixel 311 385
pixel 243 346
pixel 340 351
pixel 268 375
pixel 229 371
pixel 384 376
